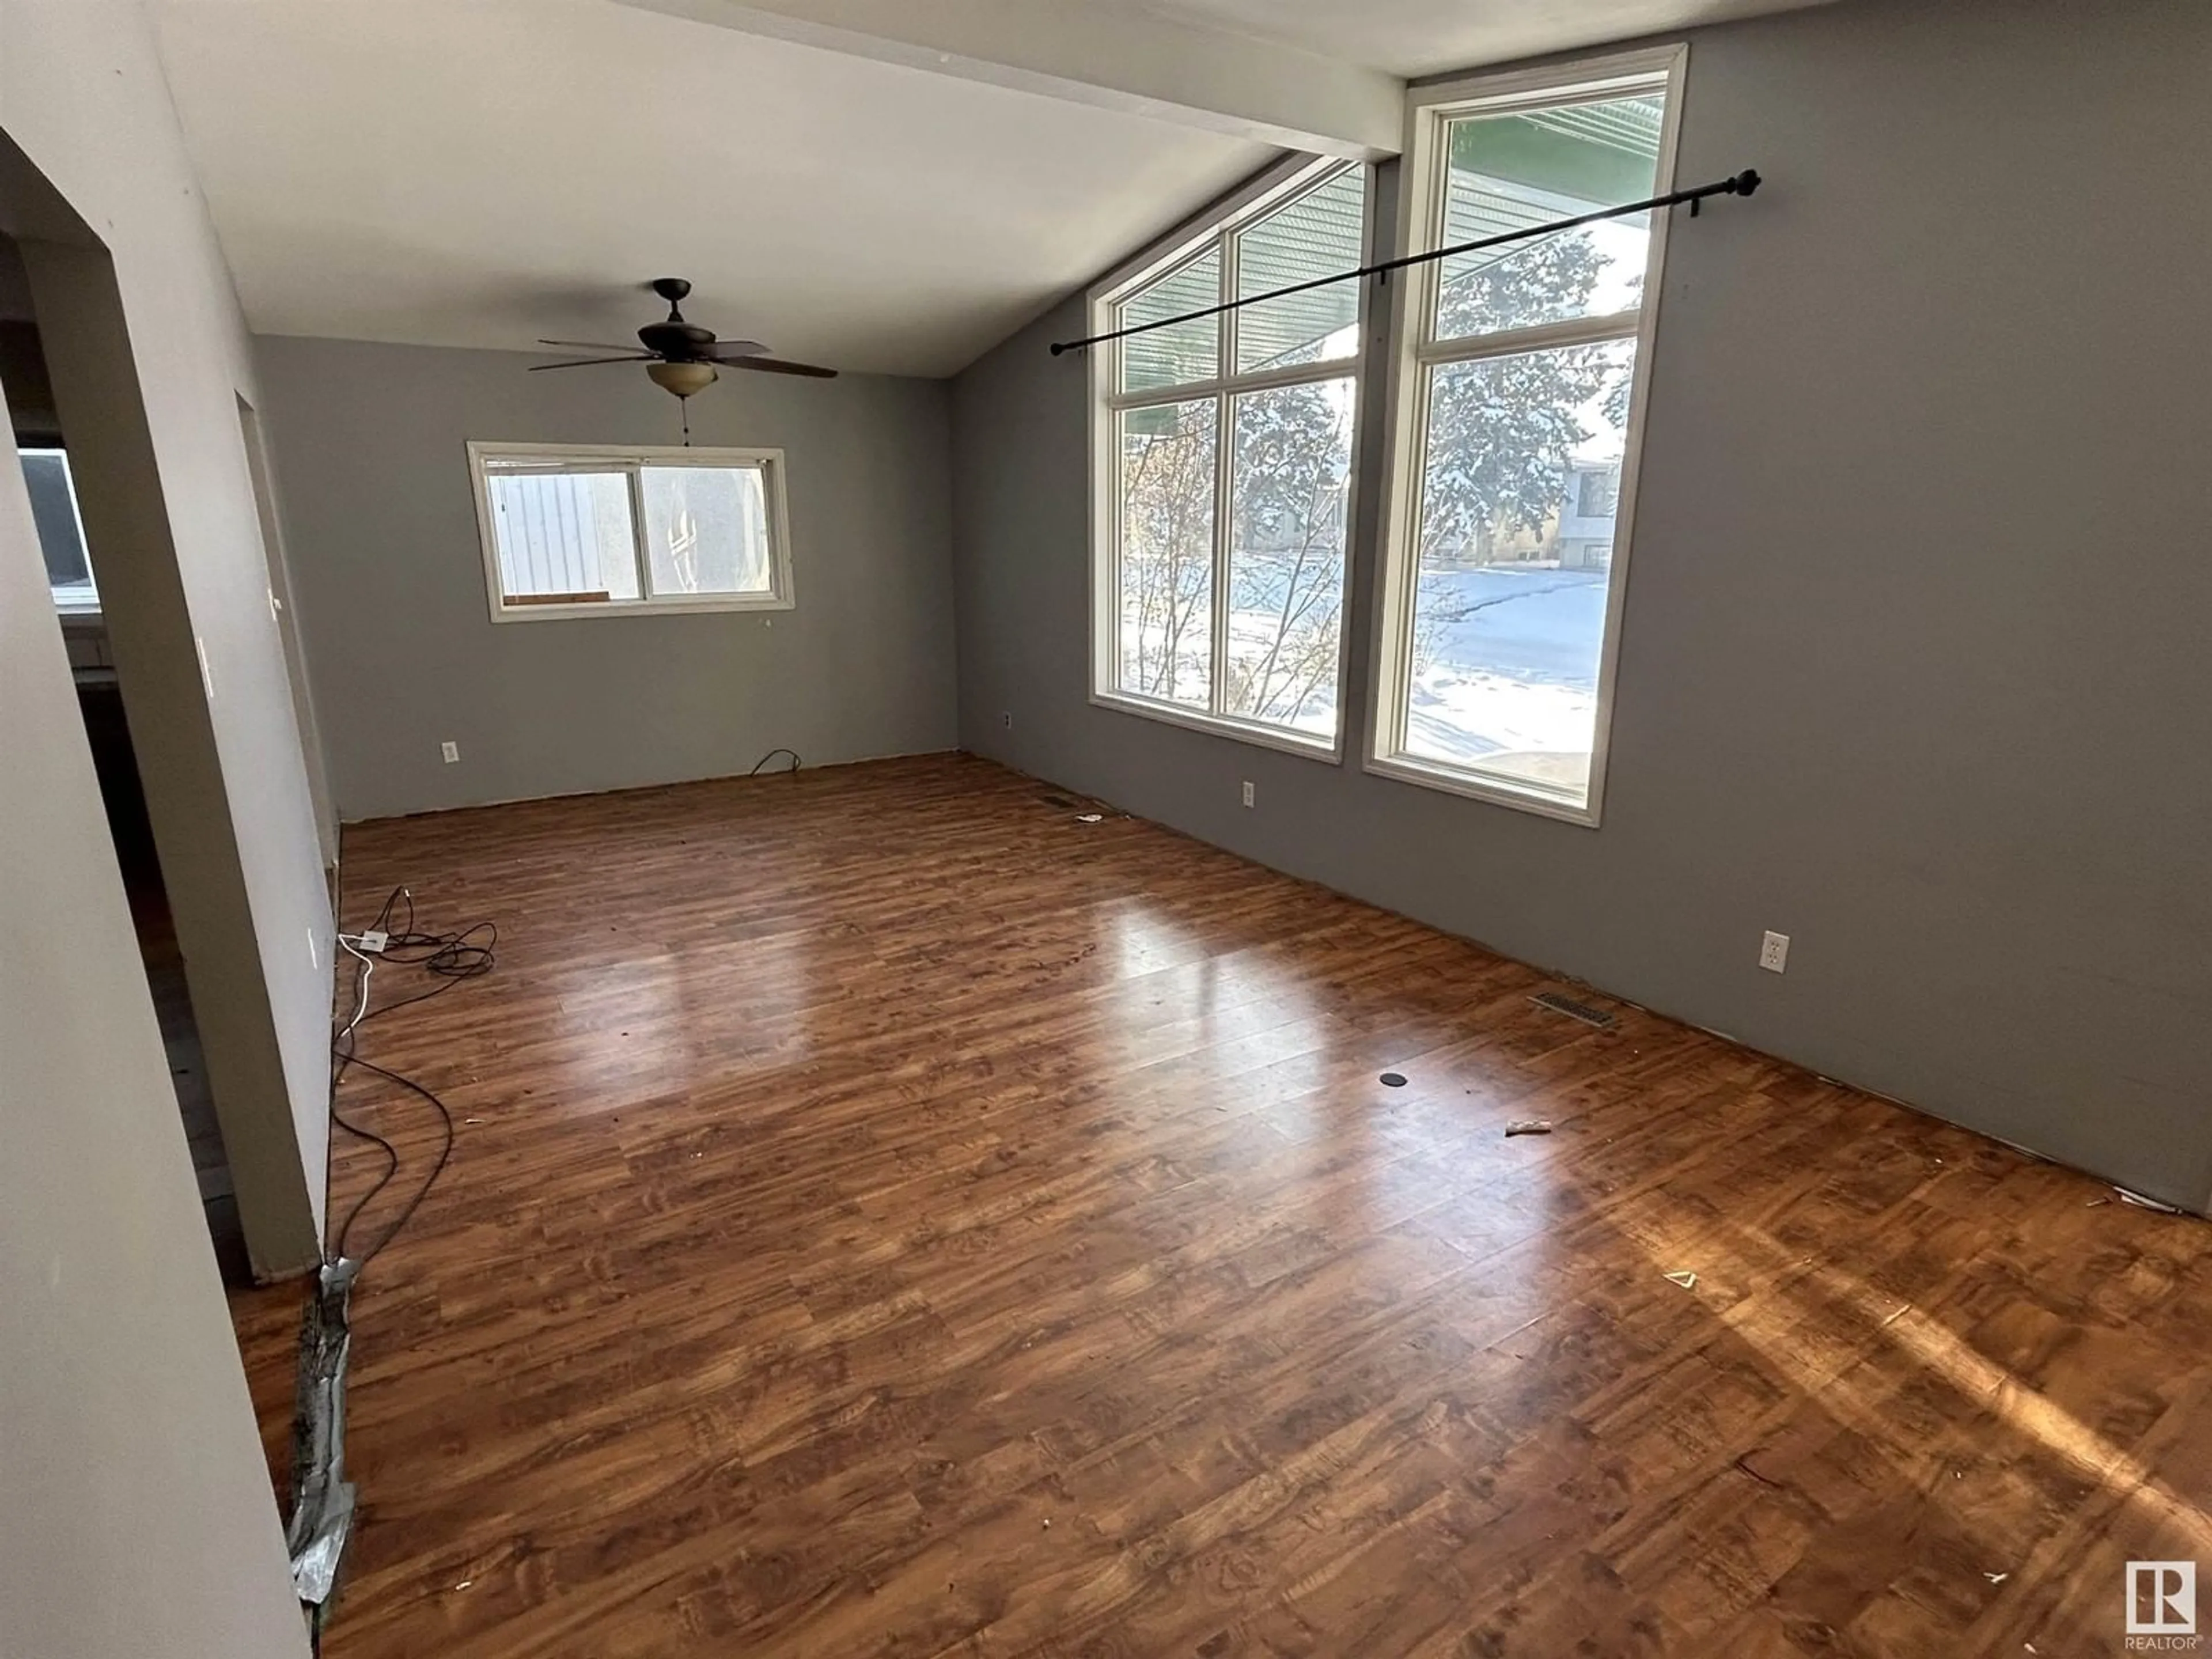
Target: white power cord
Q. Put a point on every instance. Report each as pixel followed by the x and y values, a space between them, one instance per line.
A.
pixel 360 946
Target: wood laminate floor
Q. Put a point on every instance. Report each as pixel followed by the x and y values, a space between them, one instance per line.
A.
pixel 889 1216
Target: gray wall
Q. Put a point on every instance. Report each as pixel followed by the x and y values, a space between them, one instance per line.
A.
pixel 148 357
pixel 380 526
pixel 136 1515
pixel 1914 664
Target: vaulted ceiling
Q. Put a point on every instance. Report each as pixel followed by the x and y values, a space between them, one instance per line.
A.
pixel 881 184
pixel 1416 38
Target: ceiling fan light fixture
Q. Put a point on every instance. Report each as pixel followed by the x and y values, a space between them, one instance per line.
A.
pixel 684 379
pixel 683 358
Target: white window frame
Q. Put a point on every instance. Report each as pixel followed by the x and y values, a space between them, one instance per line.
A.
pixel 80 598
pixel 631 458
pixel 1272 188
pixel 1421 187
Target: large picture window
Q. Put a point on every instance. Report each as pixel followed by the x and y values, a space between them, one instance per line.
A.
pixel 1513 457
pixel 1223 468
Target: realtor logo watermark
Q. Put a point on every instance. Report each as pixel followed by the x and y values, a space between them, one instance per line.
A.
pixel 2162 1607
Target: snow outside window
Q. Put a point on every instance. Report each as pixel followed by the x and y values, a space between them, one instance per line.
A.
pixel 1514 435
pixel 569 532
pixel 1225 469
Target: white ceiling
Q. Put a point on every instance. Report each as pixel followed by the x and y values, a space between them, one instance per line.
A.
pixel 488 173
pixel 1415 38
pixel 887 185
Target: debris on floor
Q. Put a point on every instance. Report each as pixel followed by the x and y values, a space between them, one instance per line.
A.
pixel 1091 818
pixel 1528 1125
pixel 1685 1278
pixel 2142 1203
pixel 1996 1577
pixel 1393 1080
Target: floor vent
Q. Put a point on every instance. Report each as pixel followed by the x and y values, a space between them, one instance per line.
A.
pixel 1566 1005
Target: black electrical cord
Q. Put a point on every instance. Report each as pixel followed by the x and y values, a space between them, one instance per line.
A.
pixel 342 1052
pixel 444 1155
pixel 770 755
pixel 451 957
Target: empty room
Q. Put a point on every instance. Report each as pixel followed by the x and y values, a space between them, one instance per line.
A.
pixel 1141 828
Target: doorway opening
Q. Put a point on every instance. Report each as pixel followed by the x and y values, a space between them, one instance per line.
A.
pixel 42 451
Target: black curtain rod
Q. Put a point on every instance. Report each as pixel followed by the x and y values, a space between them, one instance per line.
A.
pixel 1742 183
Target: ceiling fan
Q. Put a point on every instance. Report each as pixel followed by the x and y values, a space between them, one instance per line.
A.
pixel 680 355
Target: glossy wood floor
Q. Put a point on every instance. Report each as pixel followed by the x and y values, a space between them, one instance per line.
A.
pixel 892 1217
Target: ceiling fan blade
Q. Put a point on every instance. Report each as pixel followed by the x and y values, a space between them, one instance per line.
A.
pixel 778 366
pixel 588 362
pixel 586 345
pixel 728 351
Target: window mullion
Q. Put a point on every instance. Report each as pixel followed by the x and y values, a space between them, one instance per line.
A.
pixel 1224 483
pixel 1537 336
pixel 636 477
pixel 1260 380
pixel 1120 473
pixel 1226 369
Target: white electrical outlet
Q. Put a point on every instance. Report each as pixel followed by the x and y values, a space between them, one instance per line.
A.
pixel 1774 952
pixel 1006 719
pixel 1248 792
pixel 451 751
